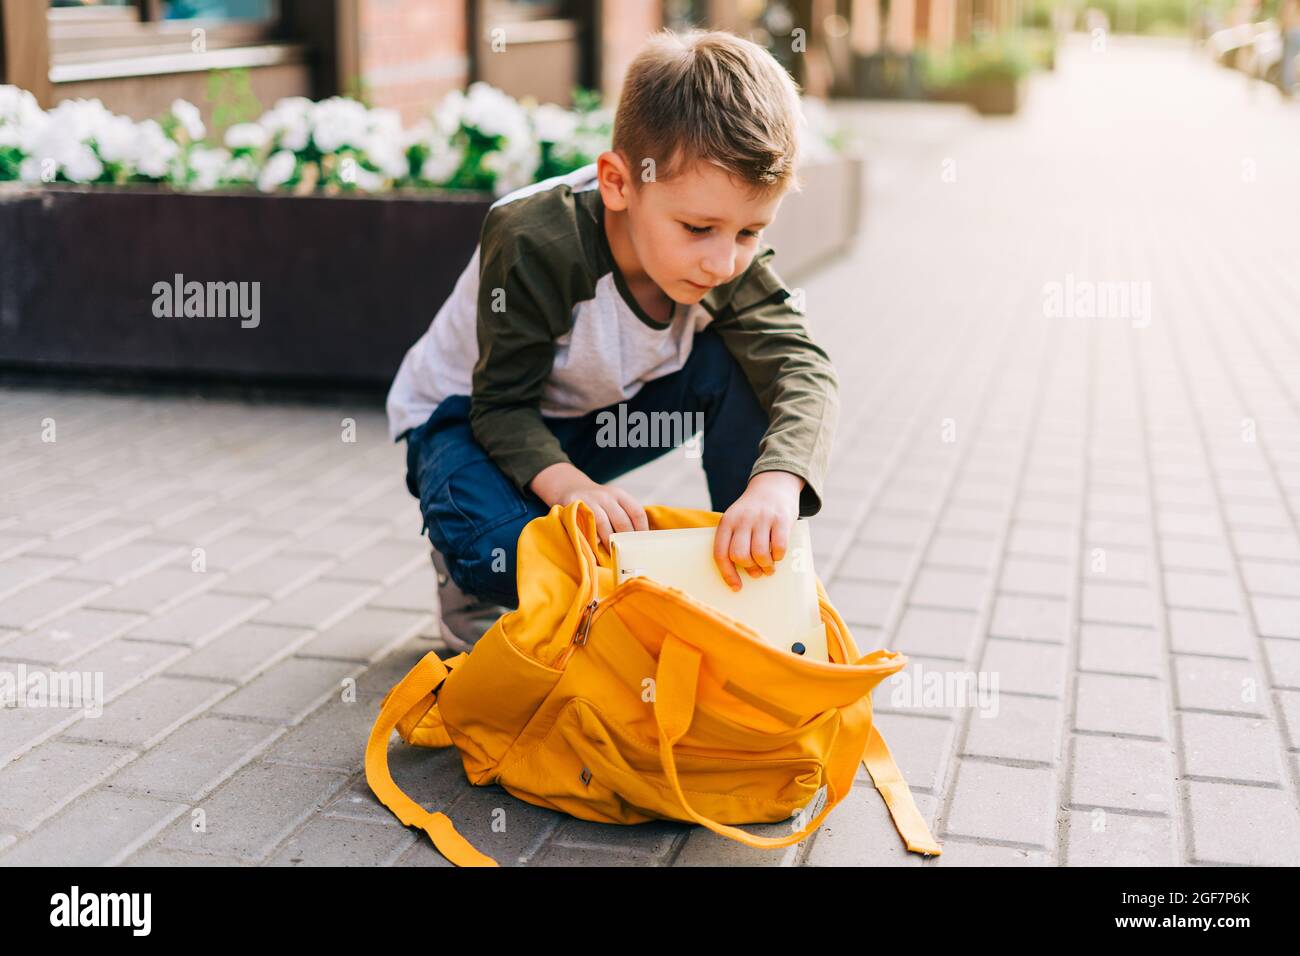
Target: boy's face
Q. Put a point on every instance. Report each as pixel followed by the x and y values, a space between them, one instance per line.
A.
pixel 695 231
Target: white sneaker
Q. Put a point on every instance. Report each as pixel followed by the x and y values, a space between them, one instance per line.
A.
pixel 464 618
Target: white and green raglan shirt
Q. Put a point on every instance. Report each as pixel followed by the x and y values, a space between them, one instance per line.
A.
pixel 541 322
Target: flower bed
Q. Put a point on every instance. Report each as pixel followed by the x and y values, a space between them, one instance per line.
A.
pixel 480 141
pixel 342 235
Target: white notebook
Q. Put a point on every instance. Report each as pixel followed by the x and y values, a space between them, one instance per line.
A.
pixel 781 607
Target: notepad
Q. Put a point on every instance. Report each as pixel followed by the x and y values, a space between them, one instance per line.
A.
pixel 782 607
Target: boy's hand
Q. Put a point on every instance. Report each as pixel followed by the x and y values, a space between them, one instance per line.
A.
pixel 755 531
pixel 615 509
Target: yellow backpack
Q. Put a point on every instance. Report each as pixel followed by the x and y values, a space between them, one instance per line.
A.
pixel 635 703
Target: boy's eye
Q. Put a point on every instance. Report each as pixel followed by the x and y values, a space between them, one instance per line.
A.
pixel 701 230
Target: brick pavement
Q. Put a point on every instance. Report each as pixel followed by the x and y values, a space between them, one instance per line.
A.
pixel 1095 513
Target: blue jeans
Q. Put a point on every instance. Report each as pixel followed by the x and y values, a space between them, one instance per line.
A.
pixel 473 512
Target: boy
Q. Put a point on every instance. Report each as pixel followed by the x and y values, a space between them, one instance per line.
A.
pixel 639 280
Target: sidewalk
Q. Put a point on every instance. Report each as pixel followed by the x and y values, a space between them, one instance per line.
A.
pixel 1100 513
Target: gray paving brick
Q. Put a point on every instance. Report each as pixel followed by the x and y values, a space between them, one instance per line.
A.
pixel 1029 618
pixel 129 561
pixel 875 562
pixel 331 841
pixel 1042 540
pixel 1122 774
pixel 242 652
pixel 1118 604
pixel 1227 748
pixel 417 591
pixel 386 561
pixel 860 832
pixel 1215 592
pixel 91 541
pixel 1024 667
pixel 277 575
pixel 936 633
pixel 289 691
pixel 1019 729
pixel 433 777
pixel 961 550
pixel 340 539
pixel 25 727
pixel 160 856
pixel 650 842
pixel 1277 617
pixel 1209 632
pixel 144 715
pixel 964 853
pixel 1283 662
pixel 959 590
pixel 367 634
pixel 1107 704
pixel 1098 838
pixel 47 778
pixel 1036 576
pixel 1208 683
pixel 65 638
pixel 36 604
pixel 204 527
pixel 1272 579
pixel 1249 826
pixel 1193 524
pixel 1115 564
pixel 201 618
pixel 156 591
pixel 863 604
pixel 17 573
pixel 1010 805
pixel 194 759
pixel 126 663
pixel 1276 546
pixel 1184 555
pixel 333 738
pixel 233 552
pixel 99 829
pixel 902 529
pixel 254 811
pixel 318 605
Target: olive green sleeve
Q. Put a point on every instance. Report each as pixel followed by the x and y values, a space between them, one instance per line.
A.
pixel 524 304
pixel 764 328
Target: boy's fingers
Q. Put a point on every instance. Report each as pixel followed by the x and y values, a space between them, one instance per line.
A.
pixel 634 510
pixel 739 550
pixel 602 525
pixel 780 540
pixel 760 550
pixel 618 517
pixel 721 546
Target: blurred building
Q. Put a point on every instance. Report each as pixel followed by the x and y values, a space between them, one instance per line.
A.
pixel 139 55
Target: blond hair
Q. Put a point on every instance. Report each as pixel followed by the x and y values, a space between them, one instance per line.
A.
pixel 709 96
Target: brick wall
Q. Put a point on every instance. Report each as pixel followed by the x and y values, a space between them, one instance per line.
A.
pixel 625 26
pixel 412 52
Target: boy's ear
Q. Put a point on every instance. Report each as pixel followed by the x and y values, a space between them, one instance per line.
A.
pixel 614 179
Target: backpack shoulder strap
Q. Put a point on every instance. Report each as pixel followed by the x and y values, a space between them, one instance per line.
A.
pixel 423 680
pixel 898 798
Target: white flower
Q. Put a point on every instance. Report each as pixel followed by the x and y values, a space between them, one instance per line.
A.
pixel 278 170
pixel 190 119
pixel 513 167
pixel 369 181
pixel 208 165
pixel 338 122
pixel 447 116
pixel 289 120
pixel 155 153
pixel 117 141
pixel 442 164
pixel 18 107
pixel 247 136
pixel 554 124
pixel 493 113
pixel 242 169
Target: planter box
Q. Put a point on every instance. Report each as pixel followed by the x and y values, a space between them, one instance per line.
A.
pixel 344 285
pixel 988 97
